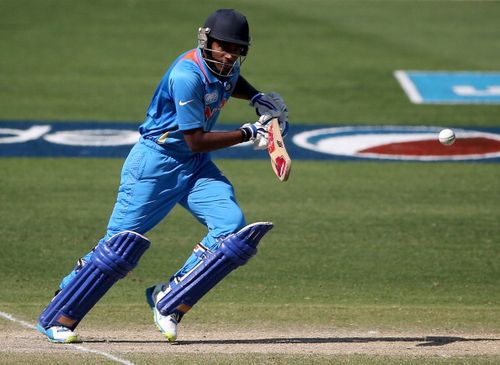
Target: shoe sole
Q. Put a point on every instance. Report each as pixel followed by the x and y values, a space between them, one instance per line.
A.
pixel 151 303
pixel 70 339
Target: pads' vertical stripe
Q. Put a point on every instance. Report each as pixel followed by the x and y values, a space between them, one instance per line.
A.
pixel 408 87
pixel 234 250
pixel 110 262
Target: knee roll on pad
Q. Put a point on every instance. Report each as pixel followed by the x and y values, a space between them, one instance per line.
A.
pixel 111 261
pixel 235 250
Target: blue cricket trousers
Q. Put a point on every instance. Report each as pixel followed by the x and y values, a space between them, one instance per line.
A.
pixel 154 180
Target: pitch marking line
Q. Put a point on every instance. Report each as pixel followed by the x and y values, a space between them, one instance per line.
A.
pixel 408 87
pixel 78 347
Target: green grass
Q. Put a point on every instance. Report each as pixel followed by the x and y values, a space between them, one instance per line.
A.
pixel 404 246
pixel 357 245
pixel 331 60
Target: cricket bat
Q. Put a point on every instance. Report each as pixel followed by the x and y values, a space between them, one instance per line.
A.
pixel 280 161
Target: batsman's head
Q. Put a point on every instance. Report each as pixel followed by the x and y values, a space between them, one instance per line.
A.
pixel 224 40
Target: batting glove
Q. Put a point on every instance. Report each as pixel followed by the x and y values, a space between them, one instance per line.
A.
pixel 274 105
pixel 257 132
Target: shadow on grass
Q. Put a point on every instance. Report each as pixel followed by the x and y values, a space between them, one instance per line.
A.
pixel 422 341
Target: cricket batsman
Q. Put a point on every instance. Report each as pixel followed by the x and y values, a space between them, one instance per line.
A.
pixel 170 165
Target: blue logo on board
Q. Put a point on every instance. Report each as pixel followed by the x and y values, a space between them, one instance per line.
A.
pixel 311 142
pixel 424 87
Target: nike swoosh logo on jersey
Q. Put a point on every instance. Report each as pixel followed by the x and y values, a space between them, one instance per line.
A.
pixel 182 103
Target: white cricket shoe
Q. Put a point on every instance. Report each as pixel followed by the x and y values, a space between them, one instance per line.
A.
pixel 166 324
pixel 58 334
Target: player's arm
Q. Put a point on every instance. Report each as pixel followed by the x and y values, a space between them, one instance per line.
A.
pixel 244 90
pixel 200 141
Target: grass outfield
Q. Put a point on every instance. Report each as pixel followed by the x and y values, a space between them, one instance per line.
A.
pixel 358 246
pixel 406 246
pixel 383 248
pixel 331 60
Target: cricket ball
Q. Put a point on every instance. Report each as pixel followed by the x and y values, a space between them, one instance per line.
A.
pixel 447 137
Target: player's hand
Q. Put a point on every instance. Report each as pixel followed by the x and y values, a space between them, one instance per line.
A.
pixel 257 132
pixel 274 105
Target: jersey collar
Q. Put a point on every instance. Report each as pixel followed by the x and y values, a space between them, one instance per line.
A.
pixel 209 75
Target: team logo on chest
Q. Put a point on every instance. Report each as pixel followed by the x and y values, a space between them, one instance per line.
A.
pixel 209 112
pixel 211 98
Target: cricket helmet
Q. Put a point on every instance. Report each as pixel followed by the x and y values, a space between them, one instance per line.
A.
pixel 227 26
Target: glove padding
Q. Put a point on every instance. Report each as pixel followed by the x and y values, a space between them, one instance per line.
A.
pixel 257 132
pixel 273 105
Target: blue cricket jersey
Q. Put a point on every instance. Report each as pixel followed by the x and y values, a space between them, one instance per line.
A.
pixel 189 96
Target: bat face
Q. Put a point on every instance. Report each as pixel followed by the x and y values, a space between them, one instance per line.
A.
pixel 280 161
